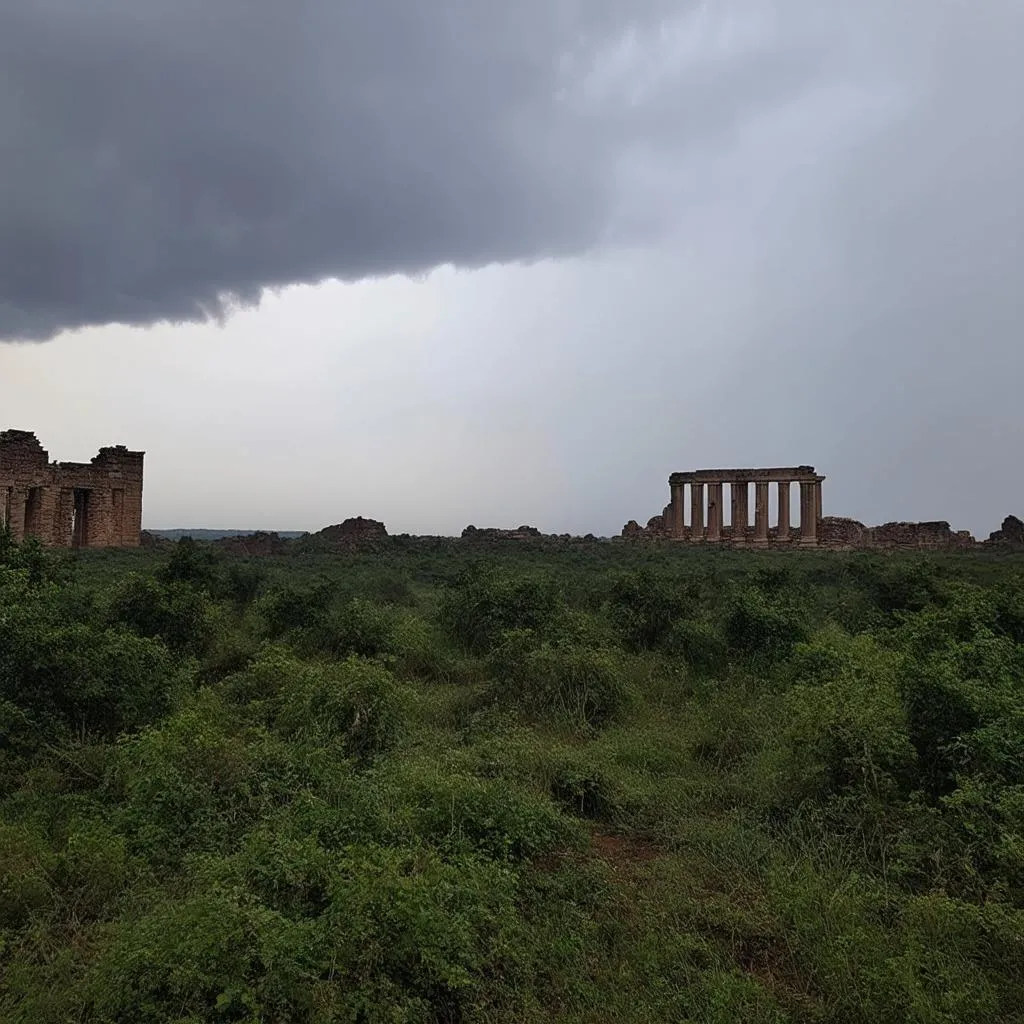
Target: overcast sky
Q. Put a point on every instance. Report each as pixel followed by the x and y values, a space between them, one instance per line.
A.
pixel 499 263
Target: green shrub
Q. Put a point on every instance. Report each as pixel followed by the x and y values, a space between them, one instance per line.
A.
pixel 370 934
pixel 94 870
pixel 394 589
pixel 192 563
pixel 289 607
pixel 961 692
pixel 173 612
pixel 26 868
pixel 759 631
pixel 354 703
pixel 457 811
pixel 421 651
pixel 483 602
pixel 579 684
pixel 644 605
pixel 896 586
pixel 585 788
pixel 212 955
pixel 192 784
pixel 699 645
pixel 59 679
pixel 359 627
pixel 1008 606
pixel 847 731
pixel 772 580
pixel 242 583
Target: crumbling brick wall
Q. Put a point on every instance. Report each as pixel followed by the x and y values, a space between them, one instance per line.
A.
pixel 70 504
pixel 929 536
pixel 842 534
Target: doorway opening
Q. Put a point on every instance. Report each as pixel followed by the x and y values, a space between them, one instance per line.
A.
pixel 80 519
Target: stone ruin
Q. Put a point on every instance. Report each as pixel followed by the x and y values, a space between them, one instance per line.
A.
pixel 355 534
pixel 701 519
pixel 95 504
pixel 838 534
pixel 706 510
pixel 1009 535
pixel 99 504
pixel 490 533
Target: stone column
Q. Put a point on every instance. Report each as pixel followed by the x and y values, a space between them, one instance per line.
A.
pixel 49 500
pixel 761 512
pixel 97 525
pixel 677 510
pixel 738 493
pixel 65 518
pixel 714 512
pixel 784 524
pixel 696 511
pixel 16 525
pixel 808 519
pixel 817 500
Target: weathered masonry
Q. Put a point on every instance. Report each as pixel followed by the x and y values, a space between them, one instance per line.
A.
pixel 95 504
pixel 700 516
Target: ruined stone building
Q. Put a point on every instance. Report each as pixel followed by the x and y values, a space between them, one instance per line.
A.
pixel 95 504
pixel 701 519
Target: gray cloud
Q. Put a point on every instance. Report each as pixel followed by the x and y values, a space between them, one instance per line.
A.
pixel 172 161
pixel 158 159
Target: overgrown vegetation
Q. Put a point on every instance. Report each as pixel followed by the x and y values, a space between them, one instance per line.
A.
pixel 608 783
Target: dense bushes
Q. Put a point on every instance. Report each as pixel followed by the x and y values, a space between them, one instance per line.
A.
pixel 483 602
pixel 615 782
pixel 173 612
pixel 64 680
pixel 566 680
pixel 760 630
pixel 644 606
pixel 355 704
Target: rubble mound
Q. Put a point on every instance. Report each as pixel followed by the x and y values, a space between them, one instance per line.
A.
pixel 1010 534
pixel 655 529
pixel 488 534
pixel 356 533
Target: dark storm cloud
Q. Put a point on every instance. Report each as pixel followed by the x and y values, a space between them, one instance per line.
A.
pixel 157 157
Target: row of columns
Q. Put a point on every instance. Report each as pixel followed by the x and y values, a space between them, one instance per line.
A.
pixel 810 511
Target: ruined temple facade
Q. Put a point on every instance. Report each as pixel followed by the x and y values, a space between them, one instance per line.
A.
pixel 698 517
pixel 95 504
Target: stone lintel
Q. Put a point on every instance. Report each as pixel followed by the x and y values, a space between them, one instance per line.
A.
pixel 772 473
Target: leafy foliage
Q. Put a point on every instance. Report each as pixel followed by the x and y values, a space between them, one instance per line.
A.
pixel 644 605
pixel 607 782
pixel 483 602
